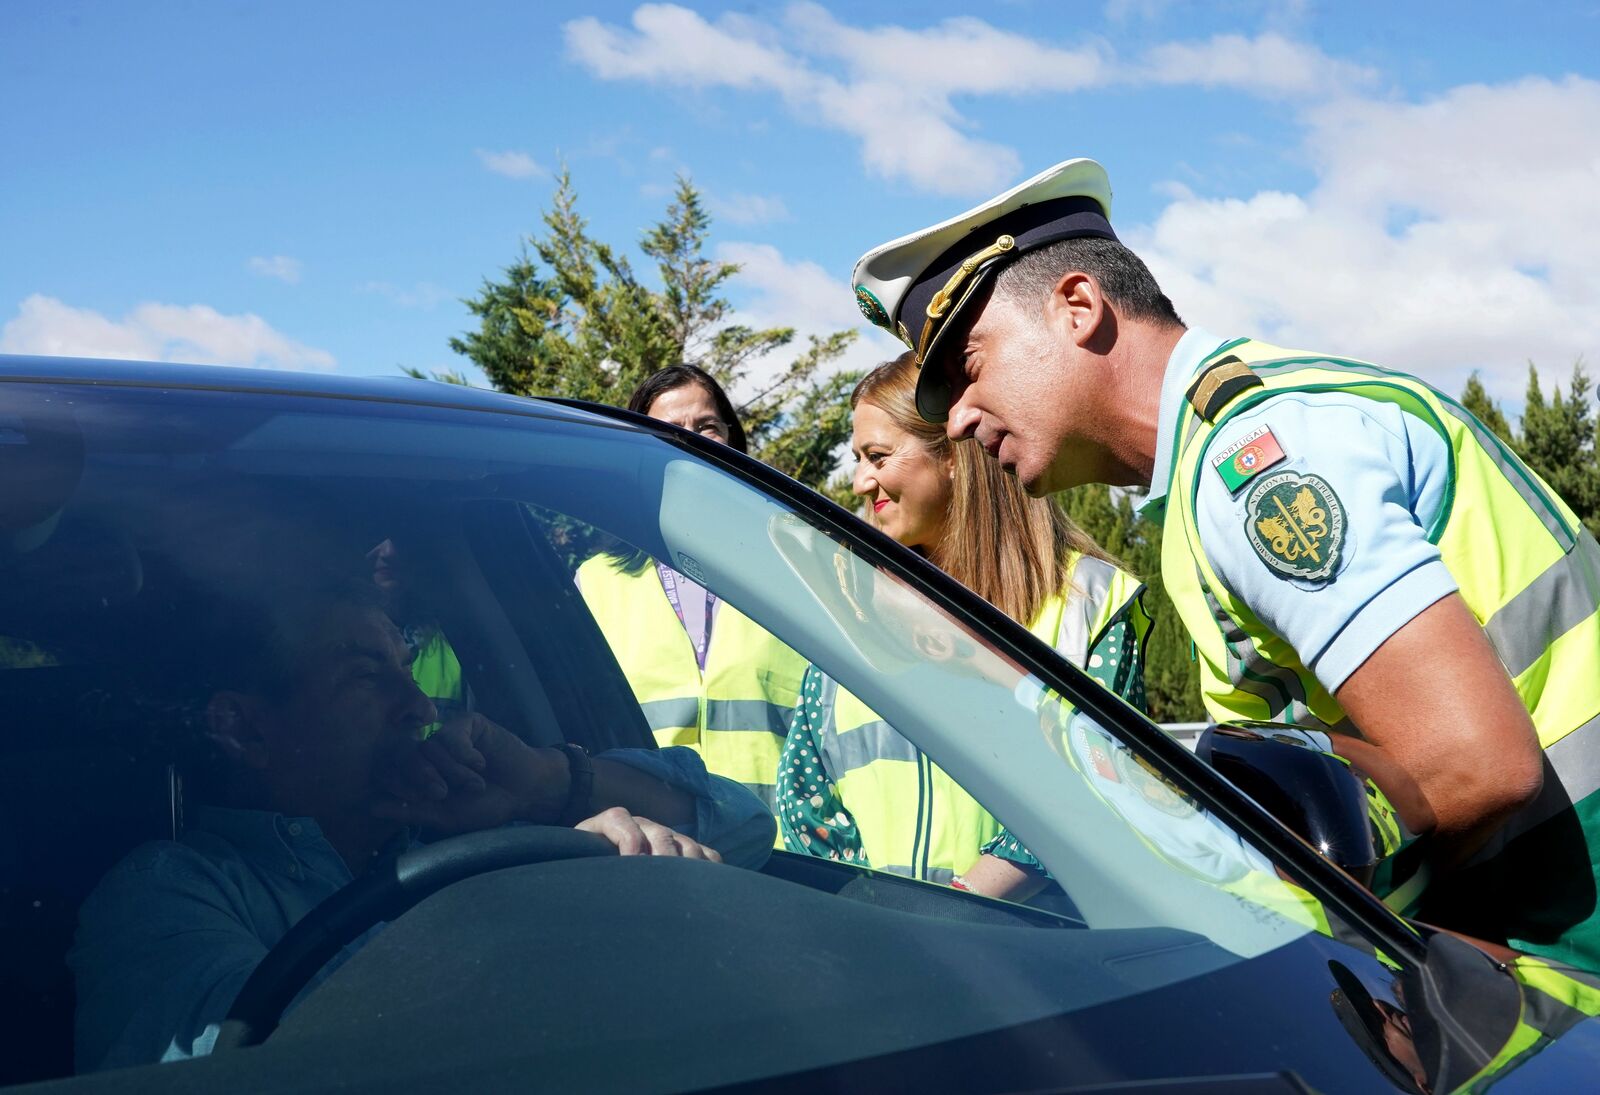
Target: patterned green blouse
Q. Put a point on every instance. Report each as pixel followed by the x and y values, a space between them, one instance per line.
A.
pixel 816 821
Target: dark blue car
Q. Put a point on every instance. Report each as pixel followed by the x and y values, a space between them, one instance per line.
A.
pixel 1195 944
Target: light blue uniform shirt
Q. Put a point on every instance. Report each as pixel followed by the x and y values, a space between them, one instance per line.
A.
pixel 170 935
pixel 1390 471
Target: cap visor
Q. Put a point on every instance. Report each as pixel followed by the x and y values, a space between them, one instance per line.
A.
pixel 933 378
pixel 933 393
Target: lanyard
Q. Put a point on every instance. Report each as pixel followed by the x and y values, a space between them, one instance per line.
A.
pixel 669 583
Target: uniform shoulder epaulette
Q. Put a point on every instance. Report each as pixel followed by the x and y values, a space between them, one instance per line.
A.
pixel 1216 387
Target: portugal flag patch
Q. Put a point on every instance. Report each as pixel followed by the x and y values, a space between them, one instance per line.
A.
pixel 1247 457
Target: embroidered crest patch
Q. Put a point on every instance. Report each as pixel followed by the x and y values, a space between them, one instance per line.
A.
pixel 1247 457
pixel 1296 525
pixel 872 307
pixel 1149 784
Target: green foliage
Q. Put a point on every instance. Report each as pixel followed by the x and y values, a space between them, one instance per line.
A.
pixel 445 376
pixel 1172 676
pixel 1476 399
pixel 573 319
pixel 1557 438
pixel 1558 442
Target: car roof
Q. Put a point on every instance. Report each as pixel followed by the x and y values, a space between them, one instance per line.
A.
pixel 379 389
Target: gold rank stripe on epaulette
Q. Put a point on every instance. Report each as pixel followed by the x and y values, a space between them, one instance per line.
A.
pixel 1215 388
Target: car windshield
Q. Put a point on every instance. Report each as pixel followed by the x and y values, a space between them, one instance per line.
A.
pixel 141 527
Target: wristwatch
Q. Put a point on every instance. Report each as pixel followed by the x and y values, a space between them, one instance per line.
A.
pixel 580 784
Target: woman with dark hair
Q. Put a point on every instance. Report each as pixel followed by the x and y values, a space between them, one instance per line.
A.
pixel 688 396
pixel 704 674
pixel 852 788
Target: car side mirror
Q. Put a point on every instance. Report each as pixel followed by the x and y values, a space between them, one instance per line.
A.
pixel 1315 793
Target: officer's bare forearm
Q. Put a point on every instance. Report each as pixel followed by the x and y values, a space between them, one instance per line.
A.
pixel 1403 792
pixel 1436 701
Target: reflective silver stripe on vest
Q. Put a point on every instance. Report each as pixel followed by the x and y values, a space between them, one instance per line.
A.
pixel 860 746
pixel 724 715
pixel 1571 774
pixel 1195 422
pixel 1091 578
pixel 766 792
pixel 1278 687
pixel 748 715
pixel 1555 602
pixel 941 875
pixel 1492 445
pixel 671 714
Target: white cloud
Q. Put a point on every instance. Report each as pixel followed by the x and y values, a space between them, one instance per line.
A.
pixel 748 209
pixel 155 332
pixel 892 88
pixel 511 164
pixel 1150 11
pixel 423 296
pixel 1136 11
pixel 1460 254
pixel 959 56
pixel 1269 65
pixel 797 288
pixel 282 267
pixel 781 292
pixel 1439 236
pixel 674 45
pixel 909 132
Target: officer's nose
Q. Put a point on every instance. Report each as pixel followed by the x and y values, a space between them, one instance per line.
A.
pixel 962 423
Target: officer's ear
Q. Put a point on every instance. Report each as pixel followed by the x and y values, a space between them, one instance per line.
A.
pixel 1076 310
pixel 234 724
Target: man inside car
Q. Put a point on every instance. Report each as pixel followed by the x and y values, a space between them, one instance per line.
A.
pixel 320 772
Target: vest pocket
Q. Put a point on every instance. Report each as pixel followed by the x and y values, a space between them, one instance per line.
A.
pixel 779 687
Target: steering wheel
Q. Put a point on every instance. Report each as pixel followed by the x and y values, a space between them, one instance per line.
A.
pixel 385 892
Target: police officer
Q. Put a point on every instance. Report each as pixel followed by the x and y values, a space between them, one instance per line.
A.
pixel 1349 549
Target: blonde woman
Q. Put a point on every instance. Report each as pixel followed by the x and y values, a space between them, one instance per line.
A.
pixel 852 788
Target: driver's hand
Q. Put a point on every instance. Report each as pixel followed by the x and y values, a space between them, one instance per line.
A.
pixel 641 836
pixel 470 774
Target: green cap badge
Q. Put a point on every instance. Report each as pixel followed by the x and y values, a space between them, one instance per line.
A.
pixel 872 308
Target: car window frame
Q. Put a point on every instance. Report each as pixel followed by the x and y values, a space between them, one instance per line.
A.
pixel 1359 908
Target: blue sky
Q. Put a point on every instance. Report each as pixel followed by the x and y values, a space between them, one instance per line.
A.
pixel 316 186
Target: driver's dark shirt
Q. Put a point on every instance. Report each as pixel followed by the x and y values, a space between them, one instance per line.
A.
pixel 171 934
pixel 168 938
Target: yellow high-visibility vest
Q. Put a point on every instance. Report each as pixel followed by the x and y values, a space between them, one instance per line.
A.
pixel 437 671
pixel 735 713
pixel 1529 572
pixel 914 819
